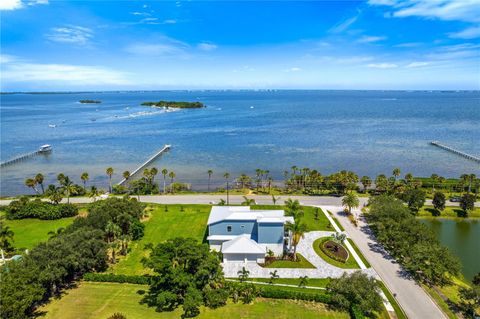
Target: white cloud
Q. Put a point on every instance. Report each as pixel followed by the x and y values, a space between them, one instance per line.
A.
pixel 163 46
pixel 17 70
pixel 343 25
pixel 409 45
pixel 370 39
pixel 382 65
pixel 469 33
pixel 462 10
pixel 204 46
pixel 70 34
pixel 18 4
pixel 417 64
pixel 10 4
pixel 293 69
pixel 170 21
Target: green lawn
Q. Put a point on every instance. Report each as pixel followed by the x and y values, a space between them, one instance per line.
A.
pixel 349 264
pixel 300 263
pixel 321 223
pixel 359 253
pixel 30 232
pixel 160 226
pixel 312 282
pixel 449 211
pixel 100 300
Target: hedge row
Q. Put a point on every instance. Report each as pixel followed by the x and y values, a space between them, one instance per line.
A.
pixel 355 313
pixel 40 210
pixel 130 279
pixel 278 293
pixel 329 253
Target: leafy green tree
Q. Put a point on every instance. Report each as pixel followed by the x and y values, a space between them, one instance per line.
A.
pixel 439 201
pixel 109 172
pixel 356 289
pixel 381 184
pixel 396 173
pixel 470 301
pixel 84 177
pixel 39 180
pixel 54 193
pixel 467 203
pixel 476 279
pixel 186 273
pixel 298 231
pixel 6 237
pixel 350 200
pixel 94 193
pixel 415 199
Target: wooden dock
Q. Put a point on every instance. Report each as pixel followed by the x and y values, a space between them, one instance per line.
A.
pixel 23 157
pixel 165 148
pixel 452 150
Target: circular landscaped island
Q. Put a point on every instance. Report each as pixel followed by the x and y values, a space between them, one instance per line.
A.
pixel 334 253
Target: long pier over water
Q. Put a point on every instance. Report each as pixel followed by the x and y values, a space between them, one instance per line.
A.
pixel 452 150
pixel 44 149
pixel 151 159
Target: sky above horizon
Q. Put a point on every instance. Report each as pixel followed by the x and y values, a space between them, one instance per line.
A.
pixel 145 45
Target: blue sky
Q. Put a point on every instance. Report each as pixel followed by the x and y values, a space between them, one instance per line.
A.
pixel 118 45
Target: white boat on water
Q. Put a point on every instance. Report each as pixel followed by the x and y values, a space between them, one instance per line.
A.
pixel 52 125
pixel 45 148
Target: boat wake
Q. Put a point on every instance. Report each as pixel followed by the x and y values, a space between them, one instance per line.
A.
pixel 142 113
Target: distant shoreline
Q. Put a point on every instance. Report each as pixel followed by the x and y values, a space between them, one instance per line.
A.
pixel 235 90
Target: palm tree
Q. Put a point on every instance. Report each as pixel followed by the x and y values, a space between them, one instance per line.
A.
pixel 294 209
pixel 112 231
pixel 303 281
pixel 297 231
pixel 126 176
pixel 339 237
pixel 94 193
pixel 60 178
pixel 84 177
pixel 350 201
pixel 273 276
pixel 52 234
pixel 248 201
pixel 275 199
pixel 172 176
pixel 209 172
pixel 471 179
pixel 366 182
pixel 164 173
pixel 68 186
pixel 30 182
pixel 396 173
pixel 146 174
pixel 39 180
pixel 227 176
pixel 109 172
pixel 54 194
pixel 153 173
pixel 243 274
pixel 434 179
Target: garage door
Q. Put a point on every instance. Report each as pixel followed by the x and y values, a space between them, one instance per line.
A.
pixel 239 257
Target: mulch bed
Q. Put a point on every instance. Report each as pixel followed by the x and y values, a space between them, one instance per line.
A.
pixel 336 249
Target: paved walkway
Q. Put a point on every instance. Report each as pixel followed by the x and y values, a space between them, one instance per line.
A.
pixel 305 248
pixel 413 299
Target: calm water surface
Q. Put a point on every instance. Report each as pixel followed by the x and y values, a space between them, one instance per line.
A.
pixel 369 132
pixel 462 238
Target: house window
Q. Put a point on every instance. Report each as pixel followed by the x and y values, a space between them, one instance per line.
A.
pixel 229 229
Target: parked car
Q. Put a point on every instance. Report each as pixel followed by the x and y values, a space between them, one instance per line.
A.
pixel 455 199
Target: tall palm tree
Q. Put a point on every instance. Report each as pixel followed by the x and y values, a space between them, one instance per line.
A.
pixel 227 176
pixel 172 178
pixel 350 201
pixel 30 182
pixel 84 177
pixel 146 174
pixel 210 173
pixel 396 173
pixel 294 209
pixel 297 231
pixel 54 194
pixel 164 173
pixel 153 173
pixel 68 186
pixel 112 231
pixel 366 182
pixel 94 193
pixel 471 180
pixel 39 180
pixel 109 172
pixel 126 176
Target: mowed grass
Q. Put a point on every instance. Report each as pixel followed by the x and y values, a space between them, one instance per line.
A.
pixel 312 282
pixel 100 300
pixel 30 232
pixel 313 223
pixel 448 212
pixel 301 262
pixel 160 226
pixel 349 264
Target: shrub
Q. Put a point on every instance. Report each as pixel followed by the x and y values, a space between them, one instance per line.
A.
pixel 278 293
pixel 38 209
pixel 329 253
pixel 117 315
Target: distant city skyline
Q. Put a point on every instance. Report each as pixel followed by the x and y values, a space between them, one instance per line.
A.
pixel 143 45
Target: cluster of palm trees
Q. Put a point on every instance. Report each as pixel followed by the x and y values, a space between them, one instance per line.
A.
pixel 297 229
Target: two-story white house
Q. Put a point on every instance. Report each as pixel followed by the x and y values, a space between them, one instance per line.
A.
pixel 242 234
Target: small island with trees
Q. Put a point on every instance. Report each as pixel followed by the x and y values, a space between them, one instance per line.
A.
pixel 175 104
pixel 90 101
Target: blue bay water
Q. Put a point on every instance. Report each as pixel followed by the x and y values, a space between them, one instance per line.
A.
pixel 369 132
